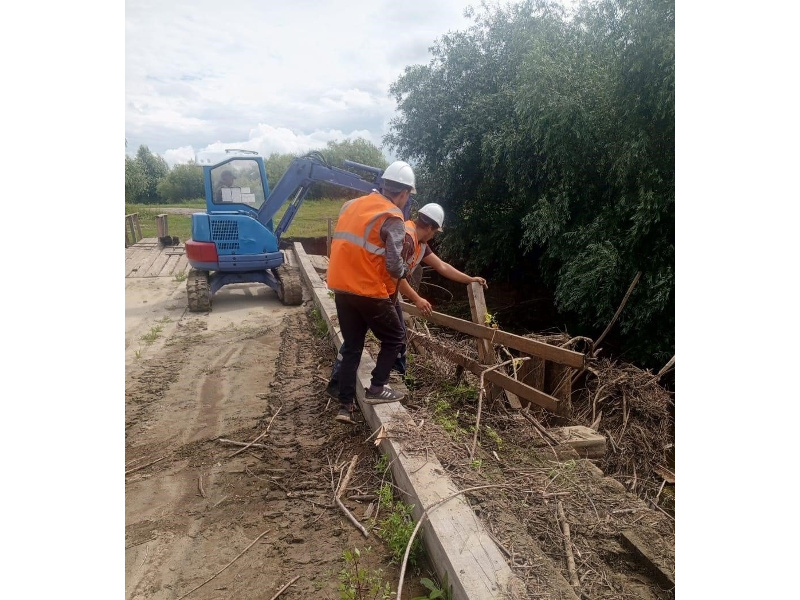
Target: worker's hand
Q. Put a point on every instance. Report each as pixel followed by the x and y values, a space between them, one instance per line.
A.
pixel 424 307
pixel 480 280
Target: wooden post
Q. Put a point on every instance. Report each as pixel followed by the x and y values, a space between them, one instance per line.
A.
pixel 477 306
pixel 162 227
pixel 330 235
pixel 138 226
pixel 558 383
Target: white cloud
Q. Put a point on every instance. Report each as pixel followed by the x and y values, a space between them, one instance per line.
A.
pixel 268 75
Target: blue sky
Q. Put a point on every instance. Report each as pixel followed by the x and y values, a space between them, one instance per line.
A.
pixel 270 76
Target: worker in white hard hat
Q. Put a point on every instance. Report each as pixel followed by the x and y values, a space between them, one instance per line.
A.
pixel 418 232
pixel 365 266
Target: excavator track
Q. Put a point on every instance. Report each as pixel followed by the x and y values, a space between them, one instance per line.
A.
pixel 198 291
pixel 291 289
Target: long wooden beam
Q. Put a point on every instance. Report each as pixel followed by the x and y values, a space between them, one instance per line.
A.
pixel 458 544
pixel 500 379
pixel 554 354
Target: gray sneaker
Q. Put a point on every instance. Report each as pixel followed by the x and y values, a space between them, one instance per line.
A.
pixel 345 415
pixel 387 394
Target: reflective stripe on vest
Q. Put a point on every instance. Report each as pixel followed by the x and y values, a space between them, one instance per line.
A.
pixel 357 263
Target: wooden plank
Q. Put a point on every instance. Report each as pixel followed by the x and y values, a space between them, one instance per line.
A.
pixel 501 379
pixel 134 255
pixel 138 225
pixel 661 569
pixel 497 336
pixel 152 252
pixel 586 441
pixel 459 546
pixel 477 307
pixel 182 266
pixel 558 383
pixel 486 355
pixel 154 270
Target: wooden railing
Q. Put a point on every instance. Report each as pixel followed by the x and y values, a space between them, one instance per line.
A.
pixel 543 377
pixel 133 230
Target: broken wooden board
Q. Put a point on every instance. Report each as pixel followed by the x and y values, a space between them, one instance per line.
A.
pixel 320 263
pixel 586 442
pixel 651 550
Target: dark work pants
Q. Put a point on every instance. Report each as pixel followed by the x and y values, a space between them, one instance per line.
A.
pixel 357 314
pixel 400 363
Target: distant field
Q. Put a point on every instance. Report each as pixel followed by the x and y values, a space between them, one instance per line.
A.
pixel 310 221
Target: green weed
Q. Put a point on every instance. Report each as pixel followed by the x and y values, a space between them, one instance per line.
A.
pixel 357 583
pixel 181 276
pixel 385 495
pixel 436 592
pixel 320 325
pixel 381 465
pixel 396 530
pixel 494 436
pixel 152 335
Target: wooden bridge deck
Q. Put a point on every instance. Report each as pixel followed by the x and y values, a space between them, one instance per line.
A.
pixel 148 258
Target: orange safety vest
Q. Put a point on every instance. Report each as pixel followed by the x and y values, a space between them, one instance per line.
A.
pixel 419 249
pixel 358 255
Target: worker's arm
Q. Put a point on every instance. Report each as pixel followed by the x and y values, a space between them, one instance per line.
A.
pixel 393 232
pixel 447 270
pixel 423 305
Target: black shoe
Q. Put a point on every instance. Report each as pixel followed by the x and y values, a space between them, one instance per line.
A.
pixel 333 389
pixel 345 415
pixel 387 394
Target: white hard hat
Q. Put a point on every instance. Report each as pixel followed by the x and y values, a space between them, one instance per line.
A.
pixel 434 212
pixel 401 172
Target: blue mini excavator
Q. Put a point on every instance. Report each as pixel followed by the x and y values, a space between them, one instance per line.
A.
pixel 234 241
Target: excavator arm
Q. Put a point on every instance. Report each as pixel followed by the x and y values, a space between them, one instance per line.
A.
pixel 302 173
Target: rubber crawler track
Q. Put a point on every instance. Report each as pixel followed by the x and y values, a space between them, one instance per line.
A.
pixel 291 289
pixel 198 292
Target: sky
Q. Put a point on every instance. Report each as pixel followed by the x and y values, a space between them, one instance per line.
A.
pixel 271 76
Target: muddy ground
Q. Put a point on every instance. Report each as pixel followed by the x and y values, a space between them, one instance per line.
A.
pixel 253 367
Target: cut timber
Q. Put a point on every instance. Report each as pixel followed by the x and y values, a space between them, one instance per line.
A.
pixel 504 381
pixel 496 336
pixel 457 543
pixel 586 442
pixel 320 263
pixel 558 383
pixel 477 307
pixel 658 563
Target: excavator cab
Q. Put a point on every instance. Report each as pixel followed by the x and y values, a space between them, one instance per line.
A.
pixel 235 241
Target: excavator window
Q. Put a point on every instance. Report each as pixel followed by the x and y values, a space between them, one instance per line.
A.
pixel 237 182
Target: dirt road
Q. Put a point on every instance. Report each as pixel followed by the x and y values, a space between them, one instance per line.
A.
pixel 250 364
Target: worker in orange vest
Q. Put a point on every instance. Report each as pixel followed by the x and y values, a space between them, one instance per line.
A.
pixel 365 266
pixel 419 231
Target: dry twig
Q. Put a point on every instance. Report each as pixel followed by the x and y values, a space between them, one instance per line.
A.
pixel 341 490
pixel 573 574
pixel 144 466
pixel 260 436
pixel 280 591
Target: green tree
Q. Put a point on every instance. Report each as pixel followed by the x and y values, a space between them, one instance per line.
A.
pixel 155 169
pixel 135 181
pixel 276 165
pixel 183 182
pixel 550 143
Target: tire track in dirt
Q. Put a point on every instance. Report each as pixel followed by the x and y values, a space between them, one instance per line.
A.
pixel 239 380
